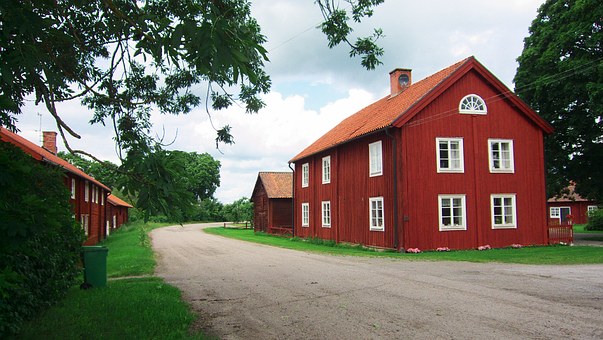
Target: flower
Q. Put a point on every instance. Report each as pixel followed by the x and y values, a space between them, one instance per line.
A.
pixel 486 247
pixel 443 249
pixel 413 250
pixel 516 246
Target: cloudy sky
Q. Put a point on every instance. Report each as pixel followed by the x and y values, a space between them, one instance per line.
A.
pixel 315 87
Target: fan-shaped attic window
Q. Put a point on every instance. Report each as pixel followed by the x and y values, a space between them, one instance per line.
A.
pixel 473 104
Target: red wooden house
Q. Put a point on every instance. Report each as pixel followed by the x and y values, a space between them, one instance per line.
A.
pixel 273 202
pixel 454 160
pixel 88 195
pixel 571 205
pixel 117 212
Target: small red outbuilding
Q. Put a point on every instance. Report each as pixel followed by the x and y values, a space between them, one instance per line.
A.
pixel 569 207
pixel 117 212
pixel 273 202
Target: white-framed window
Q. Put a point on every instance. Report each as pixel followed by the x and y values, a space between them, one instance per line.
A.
pixel 87 191
pixel 450 155
pixel 326 170
pixel 504 212
pixel 326 214
pixel 94 194
pixel 500 152
pixel 473 104
pixel 305 175
pixel 102 198
pixel 84 218
pixel 555 212
pixel 452 212
pixel 591 208
pixel 377 222
pixel 305 207
pixel 108 228
pixel 375 159
pixel 73 188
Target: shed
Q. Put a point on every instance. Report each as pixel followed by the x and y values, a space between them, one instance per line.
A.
pixel 570 203
pixel 117 212
pixel 273 202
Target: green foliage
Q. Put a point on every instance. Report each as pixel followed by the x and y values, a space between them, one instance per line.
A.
pixel 146 308
pixel 595 220
pixel 201 173
pixel 208 210
pixel 105 172
pixel 39 239
pixel 560 75
pixel 239 211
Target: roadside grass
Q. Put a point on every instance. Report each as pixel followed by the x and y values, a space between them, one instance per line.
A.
pixel 127 308
pixel 579 229
pixel 130 252
pixel 526 255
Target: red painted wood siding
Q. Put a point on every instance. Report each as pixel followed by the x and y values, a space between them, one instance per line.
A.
pixel 270 212
pixel 260 209
pixel 97 212
pixel 579 210
pixel 422 183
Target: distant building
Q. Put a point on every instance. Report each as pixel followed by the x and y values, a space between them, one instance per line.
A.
pixel 570 204
pixel 117 212
pixel 273 202
pixel 88 195
pixel 454 160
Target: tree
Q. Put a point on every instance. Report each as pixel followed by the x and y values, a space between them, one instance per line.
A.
pixel 202 173
pixel 104 172
pixel 239 210
pixel 560 75
pixel 127 60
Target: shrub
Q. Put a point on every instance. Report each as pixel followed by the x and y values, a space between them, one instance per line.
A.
pixel 595 220
pixel 39 239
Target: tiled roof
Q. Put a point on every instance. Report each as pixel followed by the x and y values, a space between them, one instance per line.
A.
pixel 118 201
pixel 569 195
pixel 42 154
pixel 277 184
pixel 378 115
pixel 399 109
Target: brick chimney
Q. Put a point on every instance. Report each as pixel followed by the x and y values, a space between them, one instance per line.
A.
pixel 399 80
pixel 50 141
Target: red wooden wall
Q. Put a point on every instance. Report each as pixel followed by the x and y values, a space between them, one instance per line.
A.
pixel 579 211
pixel 270 212
pixel 94 211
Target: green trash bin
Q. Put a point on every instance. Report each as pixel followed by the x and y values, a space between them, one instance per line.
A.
pixel 95 265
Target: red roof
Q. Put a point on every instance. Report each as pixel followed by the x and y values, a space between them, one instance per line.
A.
pixel 569 194
pixel 398 110
pixel 277 184
pixel 112 199
pixel 41 154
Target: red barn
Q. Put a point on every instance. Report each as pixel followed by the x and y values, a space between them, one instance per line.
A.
pixel 117 212
pixel 454 160
pixel 570 204
pixel 273 202
pixel 88 195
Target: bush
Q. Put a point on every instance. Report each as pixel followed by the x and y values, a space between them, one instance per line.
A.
pixel 595 220
pixel 39 239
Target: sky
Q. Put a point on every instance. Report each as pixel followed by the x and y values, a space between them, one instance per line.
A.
pixel 314 87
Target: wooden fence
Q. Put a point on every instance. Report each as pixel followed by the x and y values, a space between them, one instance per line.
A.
pixel 562 233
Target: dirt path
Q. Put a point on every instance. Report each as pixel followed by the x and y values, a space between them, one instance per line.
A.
pixel 242 290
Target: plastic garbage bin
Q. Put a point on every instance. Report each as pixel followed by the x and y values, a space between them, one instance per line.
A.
pixel 95 265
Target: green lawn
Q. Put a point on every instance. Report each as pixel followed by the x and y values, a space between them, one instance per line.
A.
pixel 141 308
pixel 526 255
pixel 579 229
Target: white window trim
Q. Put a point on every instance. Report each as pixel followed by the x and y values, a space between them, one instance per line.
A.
pixel 592 208
pixel 325 204
pixel 87 192
pixel 102 198
pixel 85 224
pixel 326 171
pixel 376 168
pixel 305 175
pixel 513 202
pixel 473 112
pixel 73 188
pixel 511 168
pixel 305 217
pixel 376 227
pixel 554 212
pixel 461 168
pixel 463 226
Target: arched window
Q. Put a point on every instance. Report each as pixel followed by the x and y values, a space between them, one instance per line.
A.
pixel 473 104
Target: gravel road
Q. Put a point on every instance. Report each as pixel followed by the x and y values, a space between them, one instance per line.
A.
pixel 241 290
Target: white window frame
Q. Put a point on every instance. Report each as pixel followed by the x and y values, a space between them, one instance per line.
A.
pixel 376 214
pixel 554 212
pixel 305 175
pixel 473 98
pixel 452 197
pixel 450 168
pixel 591 208
pixel 326 170
pixel 513 207
pixel 84 218
pixel 102 198
pixel 73 188
pixel 326 214
pixel 87 192
pixel 500 169
pixel 305 208
pixel 375 159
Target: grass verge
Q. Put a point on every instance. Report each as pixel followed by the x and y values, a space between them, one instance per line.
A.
pixel 526 255
pixel 579 229
pixel 141 308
